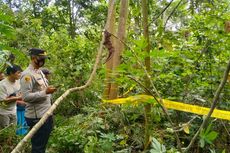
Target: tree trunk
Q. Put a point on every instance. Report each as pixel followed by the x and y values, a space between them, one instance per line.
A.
pixel 144 7
pixel 192 7
pixel 71 19
pixel 227 26
pixel 119 46
pixel 110 27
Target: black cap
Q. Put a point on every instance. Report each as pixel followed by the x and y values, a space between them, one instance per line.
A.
pixel 37 52
pixel 13 69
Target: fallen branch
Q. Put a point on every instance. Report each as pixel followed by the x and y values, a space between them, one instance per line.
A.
pixel 60 99
pixel 214 103
pixel 57 102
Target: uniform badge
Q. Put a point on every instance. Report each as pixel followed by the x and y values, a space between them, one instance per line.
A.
pixel 27 78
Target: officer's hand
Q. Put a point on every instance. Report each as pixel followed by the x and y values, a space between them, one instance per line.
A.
pixel 19 97
pixel 50 90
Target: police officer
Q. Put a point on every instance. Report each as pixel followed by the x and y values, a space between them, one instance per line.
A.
pixel 9 89
pixel 36 93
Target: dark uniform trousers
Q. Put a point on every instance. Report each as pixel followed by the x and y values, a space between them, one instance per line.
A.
pixel 40 138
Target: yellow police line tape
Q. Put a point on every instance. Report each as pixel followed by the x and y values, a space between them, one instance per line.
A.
pixel 221 114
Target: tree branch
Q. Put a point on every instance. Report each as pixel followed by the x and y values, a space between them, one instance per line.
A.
pixel 163 11
pixel 225 128
pixel 214 103
pixel 172 13
pixel 160 101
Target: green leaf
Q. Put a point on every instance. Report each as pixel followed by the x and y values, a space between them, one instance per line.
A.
pixel 157 147
pixel 212 135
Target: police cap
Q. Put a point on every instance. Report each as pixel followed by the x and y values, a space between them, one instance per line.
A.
pixel 37 52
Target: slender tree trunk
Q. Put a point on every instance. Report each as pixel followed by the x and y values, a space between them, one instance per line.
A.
pixel 213 106
pixel 71 19
pixel 227 26
pixel 110 27
pixel 119 46
pixel 144 7
pixel 192 6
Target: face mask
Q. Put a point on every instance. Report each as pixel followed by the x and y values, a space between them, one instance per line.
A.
pixel 40 62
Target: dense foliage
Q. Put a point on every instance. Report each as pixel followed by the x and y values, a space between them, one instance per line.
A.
pixel 189 52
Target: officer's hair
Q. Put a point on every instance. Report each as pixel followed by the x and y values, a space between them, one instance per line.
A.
pixel 13 69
